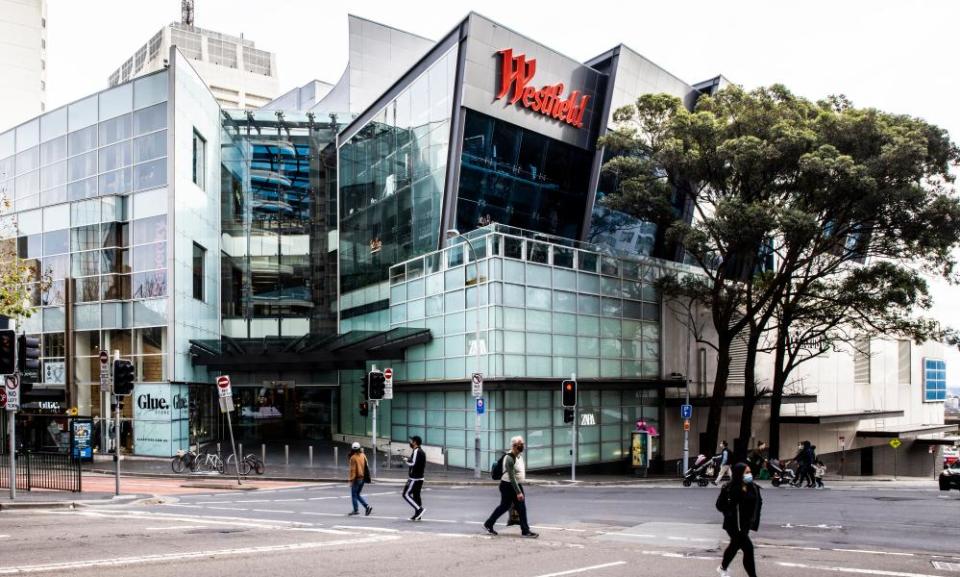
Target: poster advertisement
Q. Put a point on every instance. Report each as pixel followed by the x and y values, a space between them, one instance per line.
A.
pixel 639 449
pixel 81 439
pixel 160 414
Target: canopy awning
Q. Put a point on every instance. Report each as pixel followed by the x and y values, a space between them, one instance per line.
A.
pixel 838 417
pixel 309 352
pixel 906 431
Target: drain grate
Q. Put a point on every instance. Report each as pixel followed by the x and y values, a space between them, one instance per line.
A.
pixel 944 566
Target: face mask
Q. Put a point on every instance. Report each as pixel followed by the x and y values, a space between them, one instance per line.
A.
pixel 519 448
pixel 748 478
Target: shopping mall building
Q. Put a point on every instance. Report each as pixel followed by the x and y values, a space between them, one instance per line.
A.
pixel 294 247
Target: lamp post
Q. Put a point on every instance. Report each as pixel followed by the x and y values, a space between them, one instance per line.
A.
pixel 452 234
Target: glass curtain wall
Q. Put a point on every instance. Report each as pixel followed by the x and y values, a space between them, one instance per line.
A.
pixel 392 175
pixel 278 208
pixel 520 178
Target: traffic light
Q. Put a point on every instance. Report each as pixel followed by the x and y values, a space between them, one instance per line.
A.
pixel 8 352
pixel 376 385
pixel 28 361
pixel 364 408
pixel 569 393
pixel 568 416
pixel 122 377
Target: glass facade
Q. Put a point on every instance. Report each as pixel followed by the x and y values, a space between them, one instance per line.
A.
pixel 520 178
pixel 547 308
pixel 278 209
pixel 392 175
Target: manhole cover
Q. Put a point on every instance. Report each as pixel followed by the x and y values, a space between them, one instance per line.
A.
pixel 944 566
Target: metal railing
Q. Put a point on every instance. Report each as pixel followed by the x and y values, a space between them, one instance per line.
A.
pixel 52 471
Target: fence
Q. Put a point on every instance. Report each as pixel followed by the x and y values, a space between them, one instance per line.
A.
pixel 53 471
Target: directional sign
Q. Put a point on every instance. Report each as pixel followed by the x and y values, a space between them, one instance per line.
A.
pixel 387 383
pixel 686 411
pixel 477 382
pixel 895 443
pixel 12 387
pixel 481 406
pixel 223 386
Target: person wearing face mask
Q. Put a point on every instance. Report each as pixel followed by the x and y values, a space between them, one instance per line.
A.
pixel 511 489
pixel 416 463
pixel 740 502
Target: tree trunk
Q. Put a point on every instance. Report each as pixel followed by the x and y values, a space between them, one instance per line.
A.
pixel 709 444
pixel 749 393
pixel 779 381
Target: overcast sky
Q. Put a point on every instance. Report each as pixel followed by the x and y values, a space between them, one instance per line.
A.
pixel 900 56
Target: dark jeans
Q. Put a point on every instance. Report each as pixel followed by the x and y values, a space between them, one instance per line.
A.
pixel 411 493
pixel 508 498
pixel 740 541
pixel 355 496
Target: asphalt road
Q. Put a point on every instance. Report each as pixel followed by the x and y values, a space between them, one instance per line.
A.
pixel 589 531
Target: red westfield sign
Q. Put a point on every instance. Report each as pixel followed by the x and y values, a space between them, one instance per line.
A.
pixel 518 72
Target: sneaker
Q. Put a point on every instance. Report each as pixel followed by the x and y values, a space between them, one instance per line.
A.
pixel 723 572
pixel 490 529
pixel 531 535
pixel 368 510
pixel 418 515
pixel 352 513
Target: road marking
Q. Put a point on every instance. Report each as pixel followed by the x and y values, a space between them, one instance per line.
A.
pixel 286 500
pixel 253 501
pixel 873 552
pixel 183 556
pixel 584 569
pixel 362 528
pixel 820 526
pixel 853 570
pixel 943 566
pixel 227 509
pixel 175 527
pixel 266 510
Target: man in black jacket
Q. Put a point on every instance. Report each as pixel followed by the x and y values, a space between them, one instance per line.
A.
pixel 417 463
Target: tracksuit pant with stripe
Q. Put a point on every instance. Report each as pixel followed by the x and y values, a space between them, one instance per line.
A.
pixel 411 493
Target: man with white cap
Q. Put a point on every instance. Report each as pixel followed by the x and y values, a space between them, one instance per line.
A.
pixel 359 474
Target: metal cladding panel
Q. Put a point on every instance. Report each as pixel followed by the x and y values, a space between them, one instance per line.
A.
pixel 635 76
pixel 482 79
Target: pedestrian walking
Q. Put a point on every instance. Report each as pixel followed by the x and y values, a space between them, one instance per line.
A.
pixel 511 488
pixel 819 471
pixel 411 491
pixel 724 457
pixel 740 502
pixel 358 476
pixel 757 459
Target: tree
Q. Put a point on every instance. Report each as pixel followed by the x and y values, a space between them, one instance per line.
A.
pixel 759 186
pixel 15 272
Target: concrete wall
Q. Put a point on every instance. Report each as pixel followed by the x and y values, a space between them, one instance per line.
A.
pixel 22 35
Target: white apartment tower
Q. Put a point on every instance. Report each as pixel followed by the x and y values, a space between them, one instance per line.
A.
pixel 23 60
pixel 238 73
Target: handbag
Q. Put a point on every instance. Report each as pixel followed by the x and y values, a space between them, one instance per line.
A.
pixel 366 470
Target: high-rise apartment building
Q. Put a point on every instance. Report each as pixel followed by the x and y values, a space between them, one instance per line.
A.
pixel 23 60
pixel 238 73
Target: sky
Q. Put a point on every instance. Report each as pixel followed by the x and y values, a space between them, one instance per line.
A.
pixel 900 56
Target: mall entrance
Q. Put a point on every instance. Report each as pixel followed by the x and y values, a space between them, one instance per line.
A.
pixel 282 411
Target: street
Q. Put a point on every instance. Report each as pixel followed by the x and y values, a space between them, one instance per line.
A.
pixel 597 531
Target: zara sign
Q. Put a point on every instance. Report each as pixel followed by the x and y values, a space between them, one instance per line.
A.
pixel 517 72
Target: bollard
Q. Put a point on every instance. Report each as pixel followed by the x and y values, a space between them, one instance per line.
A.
pixel 218 448
pixel 336 457
pixel 310 450
pixel 446 458
pixel 286 455
pixel 263 453
pixel 240 451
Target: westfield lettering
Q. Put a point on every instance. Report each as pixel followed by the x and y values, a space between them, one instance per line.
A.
pixel 517 72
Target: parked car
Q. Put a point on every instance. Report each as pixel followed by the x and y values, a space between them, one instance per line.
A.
pixel 950 477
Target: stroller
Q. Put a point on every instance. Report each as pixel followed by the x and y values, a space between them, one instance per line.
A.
pixel 701 472
pixel 779 474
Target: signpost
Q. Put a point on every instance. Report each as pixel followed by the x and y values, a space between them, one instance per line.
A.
pixel 11 386
pixel 480 406
pixel 104 400
pixel 226 406
pixel 895 444
pixel 843 455
pixel 476 382
pixel 388 386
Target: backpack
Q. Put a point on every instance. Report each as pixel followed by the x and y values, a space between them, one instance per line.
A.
pixel 496 472
pixel 366 470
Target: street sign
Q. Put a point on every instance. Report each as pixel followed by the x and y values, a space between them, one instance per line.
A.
pixel 104 370
pixel 477 381
pixel 223 386
pixel 843 443
pixel 588 419
pixel 686 411
pixel 895 443
pixel 481 406
pixel 12 387
pixel 686 424
pixel 226 404
pixel 388 383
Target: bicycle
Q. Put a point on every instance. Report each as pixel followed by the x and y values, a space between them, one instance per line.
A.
pixel 209 461
pixel 249 463
pixel 183 460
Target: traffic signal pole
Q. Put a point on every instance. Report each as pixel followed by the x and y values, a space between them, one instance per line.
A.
pixel 116 435
pixel 11 436
pixel 574 440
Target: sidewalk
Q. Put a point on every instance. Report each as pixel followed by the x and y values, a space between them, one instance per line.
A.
pixel 39 498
